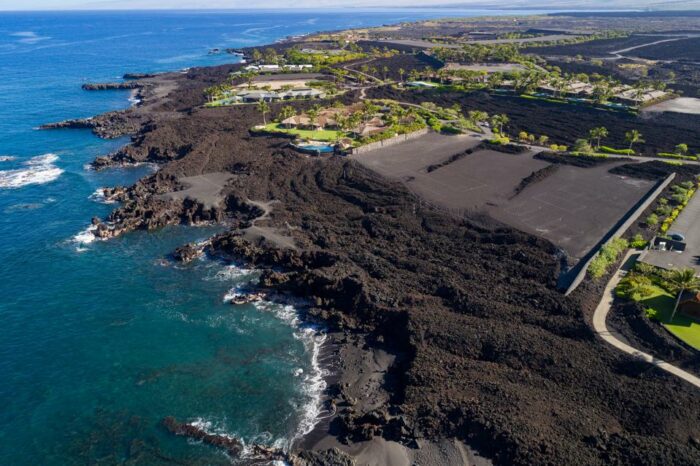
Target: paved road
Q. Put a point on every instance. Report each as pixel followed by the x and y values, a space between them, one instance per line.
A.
pixel 601 328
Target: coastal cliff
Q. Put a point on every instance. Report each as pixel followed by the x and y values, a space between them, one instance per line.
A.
pixel 478 343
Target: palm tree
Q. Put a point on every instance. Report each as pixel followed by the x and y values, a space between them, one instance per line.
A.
pixel 598 134
pixel 249 78
pixel 477 116
pixel 287 112
pixel 401 73
pixel 633 137
pixel 682 280
pixel 312 113
pixel 263 107
pixel 499 121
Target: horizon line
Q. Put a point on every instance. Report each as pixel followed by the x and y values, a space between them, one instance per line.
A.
pixel 350 7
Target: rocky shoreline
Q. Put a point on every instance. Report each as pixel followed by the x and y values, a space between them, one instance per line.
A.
pixel 456 324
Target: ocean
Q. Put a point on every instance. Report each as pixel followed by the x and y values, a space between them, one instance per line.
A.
pixel 99 341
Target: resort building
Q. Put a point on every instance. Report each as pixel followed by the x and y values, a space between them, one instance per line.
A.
pixel 255 95
pixel 278 68
pixel 632 96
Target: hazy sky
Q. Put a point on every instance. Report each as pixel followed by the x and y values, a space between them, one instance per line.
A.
pixel 223 4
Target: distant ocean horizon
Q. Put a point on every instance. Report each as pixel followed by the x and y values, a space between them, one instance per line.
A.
pixel 103 339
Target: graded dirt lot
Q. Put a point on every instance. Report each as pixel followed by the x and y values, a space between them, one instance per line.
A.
pixel 572 207
pixel 477 181
pixel 679 105
pixel 411 158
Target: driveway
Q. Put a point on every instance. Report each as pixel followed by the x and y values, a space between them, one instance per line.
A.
pixel 688 224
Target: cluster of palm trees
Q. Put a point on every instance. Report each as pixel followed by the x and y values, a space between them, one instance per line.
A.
pixel 599 133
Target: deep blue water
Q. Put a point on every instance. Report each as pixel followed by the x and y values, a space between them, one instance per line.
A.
pixel 100 341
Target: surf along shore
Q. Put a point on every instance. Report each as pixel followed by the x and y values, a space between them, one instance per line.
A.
pixel 443 332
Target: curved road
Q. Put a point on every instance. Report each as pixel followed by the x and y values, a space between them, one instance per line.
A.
pixel 601 328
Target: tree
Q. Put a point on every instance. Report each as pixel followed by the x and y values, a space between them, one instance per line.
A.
pixel 477 116
pixel 543 140
pixel 270 55
pixel 287 112
pixel 582 146
pixel 682 149
pixel 402 72
pixel 633 137
pixel 498 122
pixel 255 55
pixel 598 134
pixel 680 281
pixel 385 72
pixel 312 113
pixel 249 76
pixel 263 107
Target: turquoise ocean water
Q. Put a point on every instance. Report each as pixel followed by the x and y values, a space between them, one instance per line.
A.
pixel 100 341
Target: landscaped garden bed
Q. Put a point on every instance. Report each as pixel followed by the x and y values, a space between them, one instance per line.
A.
pixel 657 291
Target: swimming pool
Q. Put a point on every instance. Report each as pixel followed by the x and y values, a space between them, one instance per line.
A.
pixel 316 148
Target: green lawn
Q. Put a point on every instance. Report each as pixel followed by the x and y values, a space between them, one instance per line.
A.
pixel 660 305
pixel 321 135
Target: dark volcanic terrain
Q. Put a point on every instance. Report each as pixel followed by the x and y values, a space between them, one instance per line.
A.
pixel 488 351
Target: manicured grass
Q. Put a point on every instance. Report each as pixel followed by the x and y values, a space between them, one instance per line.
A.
pixel 321 135
pixel 660 304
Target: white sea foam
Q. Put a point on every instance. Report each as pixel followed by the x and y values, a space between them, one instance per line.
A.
pixel 314 383
pixel 232 272
pixel 99 196
pixel 7 158
pixel 40 170
pixel 84 238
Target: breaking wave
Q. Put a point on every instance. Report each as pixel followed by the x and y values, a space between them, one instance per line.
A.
pixel 39 170
pixel 312 381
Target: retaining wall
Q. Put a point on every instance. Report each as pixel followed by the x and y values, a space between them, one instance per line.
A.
pixel 389 142
pixel 582 267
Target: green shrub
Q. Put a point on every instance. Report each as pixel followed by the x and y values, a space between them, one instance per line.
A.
pixel 501 140
pixel 635 286
pixel 663 211
pixel 610 150
pixel 607 255
pixel 678 198
pixel 638 242
pixel 451 129
pixel 670 155
pixel 652 220
pixel 582 146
